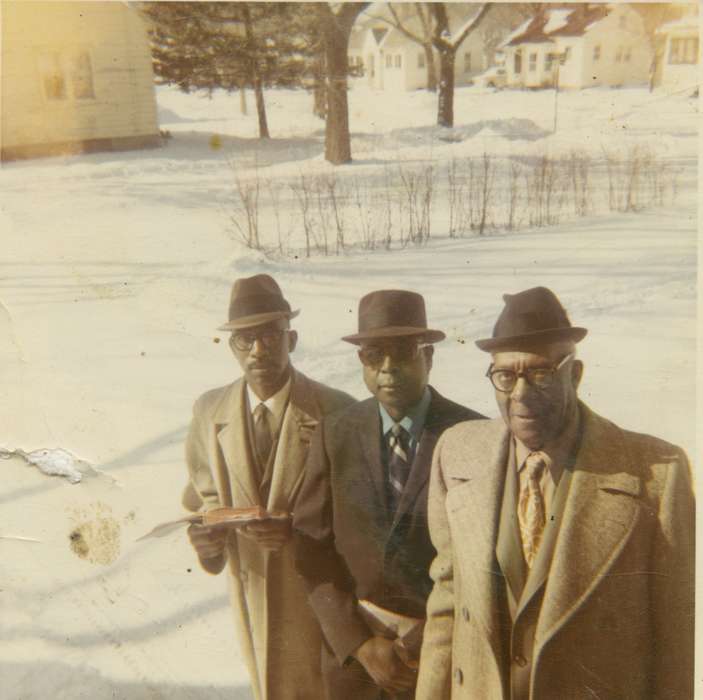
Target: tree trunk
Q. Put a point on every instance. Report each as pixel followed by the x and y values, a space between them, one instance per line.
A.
pixel 336 28
pixel 431 68
pixel 445 103
pixel 319 89
pixel 254 74
pixel 242 98
pixel 261 109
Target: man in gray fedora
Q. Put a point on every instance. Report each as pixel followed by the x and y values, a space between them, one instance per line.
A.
pixel 565 552
pixel 246 447
pixel 361 528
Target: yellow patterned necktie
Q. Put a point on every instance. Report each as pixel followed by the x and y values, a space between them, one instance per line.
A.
pixel 531 512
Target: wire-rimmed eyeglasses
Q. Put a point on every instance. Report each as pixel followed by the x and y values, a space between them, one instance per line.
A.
pixel 539 377
pixel 244 340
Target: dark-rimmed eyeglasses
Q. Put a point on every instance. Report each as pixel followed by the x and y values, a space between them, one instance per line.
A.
pixel 245 340
pixel 403 353
pixel 539 377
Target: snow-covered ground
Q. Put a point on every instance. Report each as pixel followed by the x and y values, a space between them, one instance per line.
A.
pixel 116 270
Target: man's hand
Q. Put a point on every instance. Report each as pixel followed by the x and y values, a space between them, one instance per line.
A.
pixel 378 657
pixel 207 541
pixel 269 534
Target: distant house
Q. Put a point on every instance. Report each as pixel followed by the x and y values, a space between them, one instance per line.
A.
pixel 76 77
pixel 588 46
pixel 390 60
pixel 681 54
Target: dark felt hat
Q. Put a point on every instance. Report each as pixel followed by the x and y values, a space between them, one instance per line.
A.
pixel 393 313
pixel 254 301
pixel 534 316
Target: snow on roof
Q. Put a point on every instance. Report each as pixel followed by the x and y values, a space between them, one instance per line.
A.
pixel 515 33
pixel 557 22
pixel 557 19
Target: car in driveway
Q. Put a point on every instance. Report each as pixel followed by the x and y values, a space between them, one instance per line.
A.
pixel 493 77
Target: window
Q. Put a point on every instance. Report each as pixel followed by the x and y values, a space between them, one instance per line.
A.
pixel 618 54
pixel 628 54
pixel 398 61
pixel 684 50
pixel 389 61
pixel 518 62
pixel 565 56
pixel 596 53
pixel 548 61
pixel 533 62
pixel 421 60
pixel 467 62
pixel 65 75
pixel 52 76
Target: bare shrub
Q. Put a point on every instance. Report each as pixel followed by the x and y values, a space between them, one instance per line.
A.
pixel 245 217
pixel 302 191
pixel 487 174
pixel 578 167
pixel 513 178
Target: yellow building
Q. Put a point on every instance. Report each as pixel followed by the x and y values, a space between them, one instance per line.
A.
pixel 76 77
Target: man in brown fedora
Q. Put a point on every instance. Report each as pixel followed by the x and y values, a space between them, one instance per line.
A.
pixel 564 543
pixel 246 447
pixel 361 526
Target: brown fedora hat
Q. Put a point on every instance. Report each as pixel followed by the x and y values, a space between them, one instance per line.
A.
pixel 256 300
pixel 393 313
pixel 531 317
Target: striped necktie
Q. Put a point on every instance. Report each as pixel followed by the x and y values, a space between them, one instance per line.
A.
pixel 398 465
pixel 531 512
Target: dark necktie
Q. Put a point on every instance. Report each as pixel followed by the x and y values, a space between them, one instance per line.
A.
pixel 262 435
pixel 398 462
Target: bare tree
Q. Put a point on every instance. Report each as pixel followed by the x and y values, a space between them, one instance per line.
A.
pixel 447 46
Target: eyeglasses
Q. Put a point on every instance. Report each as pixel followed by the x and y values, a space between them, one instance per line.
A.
pixel 245 341
pixel 539 377
pixel 403 353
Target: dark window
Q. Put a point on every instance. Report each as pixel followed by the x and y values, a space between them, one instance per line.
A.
pixel 82 76
pixel 596 53
pixel 421 60
pixel 684 50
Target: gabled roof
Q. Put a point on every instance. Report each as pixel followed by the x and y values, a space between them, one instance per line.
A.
pixel 557 22
pixel 379 34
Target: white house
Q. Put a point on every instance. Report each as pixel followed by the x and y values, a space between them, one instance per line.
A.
pixel 76 77
pixel 681 55
pixel 583 47
pixel 389 60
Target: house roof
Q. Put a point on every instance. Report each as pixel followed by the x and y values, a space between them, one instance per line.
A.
pixel 379 34
pixel 557 22
pixel 689 23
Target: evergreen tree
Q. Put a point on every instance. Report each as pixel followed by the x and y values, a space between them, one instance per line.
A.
pixel 230 45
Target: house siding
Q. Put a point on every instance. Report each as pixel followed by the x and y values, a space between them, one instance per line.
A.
pixel 122 110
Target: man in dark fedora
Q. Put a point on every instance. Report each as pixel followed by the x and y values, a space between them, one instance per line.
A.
pixel 565 548
pixel 361 529
pixel 247 447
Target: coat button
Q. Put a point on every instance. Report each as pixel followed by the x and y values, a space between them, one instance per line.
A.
pixel 465 614
pixel 521 661
pixel 458 676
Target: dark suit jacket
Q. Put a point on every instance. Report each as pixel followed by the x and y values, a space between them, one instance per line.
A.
pixel 349 546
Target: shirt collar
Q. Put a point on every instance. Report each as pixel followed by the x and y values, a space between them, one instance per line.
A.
pixel 276 403
pixel 558 451
pixel 413 421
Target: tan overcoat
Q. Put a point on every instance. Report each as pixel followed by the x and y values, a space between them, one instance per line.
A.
pixel 278 632
pixel 616 616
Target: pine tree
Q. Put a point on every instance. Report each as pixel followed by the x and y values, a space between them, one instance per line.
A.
pixel 230 45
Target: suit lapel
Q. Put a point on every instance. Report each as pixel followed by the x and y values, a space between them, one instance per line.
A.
pixel 435 422
pixel 299 421
pixel 231 426
pixel 540 569
pixel 368 431
pixel 600 514
pixel 509 545
pixel 474 508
